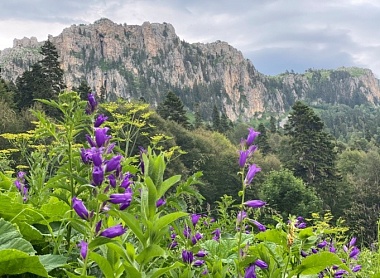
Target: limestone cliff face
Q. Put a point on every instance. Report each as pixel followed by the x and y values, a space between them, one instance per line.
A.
pixel 146 61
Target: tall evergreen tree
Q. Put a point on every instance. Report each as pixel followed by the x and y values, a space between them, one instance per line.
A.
pixel 173 109
pixel 215 119
pixel 83 90
pixel 312 151
pixel 198 117
pixel 44 80
pixel 272 124
pixel 262 140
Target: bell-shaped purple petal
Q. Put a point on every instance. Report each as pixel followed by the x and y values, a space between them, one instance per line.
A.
pixel 114 231
pixel 121 198
pixel 173 244
pixel 240 216
pixel 252 171
pixel 322 244
pixel 98 226
pixel 354 252
pixel 216 234
pixel 21 175
pixel 201 254
pixel 101 137
pixel 197 237
pixel 356 268
pixel 80 208
pixel 259 226
pixel 304 254
pixel 255 203
pixel 187 256
pixel 261 264
pixel 113 163
pixel 90 141
pixel 352 242
pixel 251 136
pixel 250 272
pixel 127 180
pixel 243 158
pixel 112 180
pixel 91 104
pixel 187 231
pixel 198 263
pixel 83 249
pixel 100 120
pixel 18 184
pixel 195 218
pixel 97 175
pixel 160 202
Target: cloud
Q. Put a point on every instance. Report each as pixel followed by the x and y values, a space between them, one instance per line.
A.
pixel 291 34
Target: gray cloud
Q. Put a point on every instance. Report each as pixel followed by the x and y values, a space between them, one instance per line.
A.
pixel 275 34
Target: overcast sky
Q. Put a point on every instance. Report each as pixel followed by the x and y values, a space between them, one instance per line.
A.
pixel 276 35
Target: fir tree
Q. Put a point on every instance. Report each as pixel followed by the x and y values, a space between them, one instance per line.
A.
pixel 83 90
pixel 312 151
pixel 215 119
pixel 172 109
pixel 272 125
pixel 198 117
pixel 262 140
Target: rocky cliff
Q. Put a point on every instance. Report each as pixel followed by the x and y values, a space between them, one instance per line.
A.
pixel 146 61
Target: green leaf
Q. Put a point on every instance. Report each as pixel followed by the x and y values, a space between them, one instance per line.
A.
pixel 103 264
pixel 131 271
pixel 164 221
pixel 10 238
pixel 165 186
pixel 275 236
pixel 150 252
pixel 315 263
pixel 30 233
pixel 5 182
pixel 152 197
pixel 131 222
pixel 157 272
pixel 14 261
pixel 51 262
pixel 99 241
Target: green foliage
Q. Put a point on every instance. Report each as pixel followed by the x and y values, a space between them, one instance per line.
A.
pixel 172 109
pixel 288 194
pixel 312 152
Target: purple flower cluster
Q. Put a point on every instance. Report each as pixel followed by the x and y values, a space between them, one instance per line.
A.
pixel 107 171
pixel 21 185
pixel 352 252
pixel 250 272
pixel 245 153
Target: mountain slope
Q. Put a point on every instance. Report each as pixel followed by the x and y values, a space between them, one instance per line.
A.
pixel 146 61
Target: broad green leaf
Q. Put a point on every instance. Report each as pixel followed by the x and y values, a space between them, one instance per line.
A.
pixel 275 236
pixel 103 264
pixel 132 224
pixel 160 271
pixel 51 262
pixel 14 261
pixel 152 197
pixel 131 271
pixel 10 238
pixel 30 233
pixel 99 241
pixel 167 184
pixel 165 220
pixel 150 252
pixel 305 233
pixel 5 182
pixel 55 209
pixel 315 263
pixel 73 275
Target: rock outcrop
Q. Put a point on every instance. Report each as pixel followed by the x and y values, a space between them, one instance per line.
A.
pixel 146 61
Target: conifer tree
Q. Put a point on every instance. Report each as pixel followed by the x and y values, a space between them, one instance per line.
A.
pixel 272 125
pixel 215 119
pixel 312 151
pixel 198 117
pixel 83 90
pixel 262 140
pixel 173 109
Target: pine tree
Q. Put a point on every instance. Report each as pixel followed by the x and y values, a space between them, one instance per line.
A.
pixel 83 90
pixel 44 80
pixel 198 117
pixel 272 125
pixel 224 124
pixel 215 119
pixel 262 140
pixel 173 109
pixel 312 151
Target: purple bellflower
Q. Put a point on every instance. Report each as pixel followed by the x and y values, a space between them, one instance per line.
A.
pixel 251 136
pixel 114 231
pixel 195 218
pixel 187 256
pixel 97 175
pixel 91 104
pixel 255 203
pixel 198 263
pixel 261 264
pixel 250 272
pixel 113 163
pixel 160 202
pixel 101 137
pixel 100 120
pixel 252 171
pixel 83 249
pixel 259 226
pixel 80 208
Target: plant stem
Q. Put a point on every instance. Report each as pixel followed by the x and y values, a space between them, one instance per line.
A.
pixel 240 224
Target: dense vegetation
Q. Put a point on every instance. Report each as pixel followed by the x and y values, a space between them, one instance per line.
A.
pixel 305 170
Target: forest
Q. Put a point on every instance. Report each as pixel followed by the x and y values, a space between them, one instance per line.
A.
pixel 319 170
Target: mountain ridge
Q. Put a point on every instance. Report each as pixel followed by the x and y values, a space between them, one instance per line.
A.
pixel 146 61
